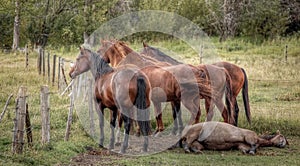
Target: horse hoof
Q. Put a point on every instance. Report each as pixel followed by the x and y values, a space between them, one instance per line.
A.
pixel 251 152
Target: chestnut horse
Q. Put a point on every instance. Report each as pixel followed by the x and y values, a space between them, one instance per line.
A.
pixel 237 75
pixel 169 83
pixel 222 136
pixel 121 89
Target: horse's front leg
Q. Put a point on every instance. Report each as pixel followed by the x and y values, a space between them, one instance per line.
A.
pixel 114 114
pixel 126 120
pixel 100 112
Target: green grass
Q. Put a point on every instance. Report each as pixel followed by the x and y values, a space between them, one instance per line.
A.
pixel 274 99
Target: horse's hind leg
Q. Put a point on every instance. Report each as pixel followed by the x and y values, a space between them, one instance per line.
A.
pixel 159 122
pixel 176 112
pixel 126 120
pixel 236 112
pixel 120 121
pixel 209 106
pixel 194 107
pixel 196 147
pixel 112 128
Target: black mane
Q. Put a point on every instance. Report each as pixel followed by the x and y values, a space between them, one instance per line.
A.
pixel 159 55
pixel 99 66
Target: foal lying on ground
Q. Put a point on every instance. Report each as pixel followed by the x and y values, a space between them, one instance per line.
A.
pixel 222 136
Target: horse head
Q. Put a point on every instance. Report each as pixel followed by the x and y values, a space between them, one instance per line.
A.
pixel 82 63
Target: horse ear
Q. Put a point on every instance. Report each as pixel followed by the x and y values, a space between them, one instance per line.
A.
pixel 145 44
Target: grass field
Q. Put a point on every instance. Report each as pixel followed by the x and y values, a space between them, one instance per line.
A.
pixel 274 99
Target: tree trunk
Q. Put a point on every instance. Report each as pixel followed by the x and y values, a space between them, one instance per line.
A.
pixel 16 37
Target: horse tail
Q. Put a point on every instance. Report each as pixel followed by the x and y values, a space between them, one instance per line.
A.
pixel 246 97
pixel 143 112
pixel 229 99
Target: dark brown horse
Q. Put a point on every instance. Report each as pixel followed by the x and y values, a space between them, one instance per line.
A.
pixel 222 136
pixel 169 83
pixel 237 75
pixel 121 89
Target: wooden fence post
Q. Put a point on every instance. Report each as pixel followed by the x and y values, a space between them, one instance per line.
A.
pixel 45 112
pixel 19 128
pixel 39 63
pixel 26 57
pixel 28 128
pixel 63 71
pixel 58 73
pixel 53 73
pixel 286 53
pixel 91 108
pixel 43 58
pixel 48 67
pixel 69 122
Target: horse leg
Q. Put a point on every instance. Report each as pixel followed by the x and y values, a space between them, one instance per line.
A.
pixel 223 109
pixel 196 147
pixel 236 112
pixel 244 148
pixel 159 122
pixel 100 111
pixel 112 128
pixel 194 108
pixel 120 121
pixel 126 120
pixel 209 109
pixel 252 140
pixel 176 113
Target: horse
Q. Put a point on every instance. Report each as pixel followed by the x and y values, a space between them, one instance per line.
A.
pixel 168 82
pixel 214 135
pixel 237 75
pixel 124 89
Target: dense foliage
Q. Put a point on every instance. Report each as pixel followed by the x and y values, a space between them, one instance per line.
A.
pixel 68 22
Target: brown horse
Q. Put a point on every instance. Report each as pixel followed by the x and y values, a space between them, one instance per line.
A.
pixel 222 136
pixel 169 83
pixel 121 89
pixel 237 75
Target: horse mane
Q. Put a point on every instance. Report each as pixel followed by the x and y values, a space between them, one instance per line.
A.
pixel 99 65
pixel 160 55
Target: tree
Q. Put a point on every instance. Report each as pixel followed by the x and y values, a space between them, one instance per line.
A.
pixel 16 36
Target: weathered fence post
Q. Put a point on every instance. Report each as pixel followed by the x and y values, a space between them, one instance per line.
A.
pixel 43 58
pixel 48 67
pixel 45 112
pixel 58 73
pixel 19 128
pixel 5 107
pixel 91 108
pixel 28 128
pixel 63 71
pixel 286 53
pixel 26 57
pixel 39 63
pixel 69 122
pixel 53 73
pixel 201 54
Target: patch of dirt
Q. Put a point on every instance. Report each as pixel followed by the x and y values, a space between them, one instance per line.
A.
pixel 97 156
